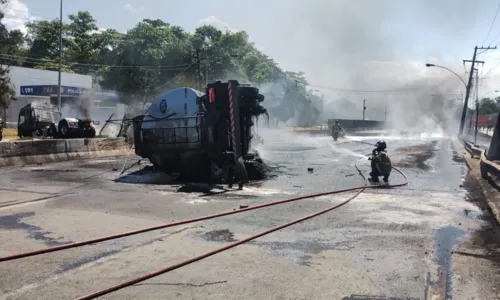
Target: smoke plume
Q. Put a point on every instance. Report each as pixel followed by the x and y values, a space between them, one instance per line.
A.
pixel 353 50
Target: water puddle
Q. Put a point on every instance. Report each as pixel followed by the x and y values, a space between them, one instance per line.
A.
pixel 446 240
pixel 16 222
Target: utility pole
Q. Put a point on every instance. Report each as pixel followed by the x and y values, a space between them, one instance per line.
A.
pixel 146 85
pixel 476 84
pixel 364 108
pixel 198 68
pixel 59 102
pixel 385 114
pixel 467 92
pixel 477 105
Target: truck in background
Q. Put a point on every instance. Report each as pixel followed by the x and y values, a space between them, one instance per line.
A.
pixel 38 119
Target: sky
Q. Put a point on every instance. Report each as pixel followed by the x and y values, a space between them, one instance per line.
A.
pixel 339 44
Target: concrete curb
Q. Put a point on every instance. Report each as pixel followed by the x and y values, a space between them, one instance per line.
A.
pixel 490 193
pixel 58 157
pixel 46 151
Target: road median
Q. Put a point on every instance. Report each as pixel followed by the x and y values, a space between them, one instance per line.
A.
pixel 26 152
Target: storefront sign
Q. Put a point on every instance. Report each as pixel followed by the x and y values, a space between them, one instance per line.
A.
pixel 52 90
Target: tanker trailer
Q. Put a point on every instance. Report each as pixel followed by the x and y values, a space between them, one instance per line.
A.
pixel 200 136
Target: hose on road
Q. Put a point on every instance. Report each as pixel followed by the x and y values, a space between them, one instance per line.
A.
pixel 167 225
pixel 237 243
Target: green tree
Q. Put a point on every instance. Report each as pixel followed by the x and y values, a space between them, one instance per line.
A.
pixel 84 43
pixel 487 106
pixel 155 56
pixel 9 44
pixel 155 44
pixel 43 44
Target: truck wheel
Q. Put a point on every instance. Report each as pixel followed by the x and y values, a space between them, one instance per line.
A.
pixel 248 91
pixel 52 132
pixel 90 133
pixel 64 130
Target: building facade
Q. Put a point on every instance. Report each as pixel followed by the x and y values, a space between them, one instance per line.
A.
pixel 77 95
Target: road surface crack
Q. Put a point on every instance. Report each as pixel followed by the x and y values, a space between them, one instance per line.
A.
pixel 184 284
pixel 476 255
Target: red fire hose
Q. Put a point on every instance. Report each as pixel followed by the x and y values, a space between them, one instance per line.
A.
pixel 181 222
pixel 237 243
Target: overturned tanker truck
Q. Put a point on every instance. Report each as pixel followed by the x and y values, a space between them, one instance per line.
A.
pixel 203 137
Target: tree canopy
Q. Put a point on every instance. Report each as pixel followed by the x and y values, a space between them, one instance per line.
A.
pixel 488 106
pixel 155 56
pixel 10 42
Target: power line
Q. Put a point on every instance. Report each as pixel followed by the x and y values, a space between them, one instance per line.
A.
pixel 494 39
pixel 373 91
pixel 492 23
pixel 490 71
pixel 174 78
pixel 43 60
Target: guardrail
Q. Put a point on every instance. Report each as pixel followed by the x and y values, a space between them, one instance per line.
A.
pixel 487 166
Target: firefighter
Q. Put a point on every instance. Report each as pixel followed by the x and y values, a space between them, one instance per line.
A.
pixel 380 162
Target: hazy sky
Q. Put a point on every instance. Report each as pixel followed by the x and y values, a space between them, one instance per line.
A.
pixel 354 44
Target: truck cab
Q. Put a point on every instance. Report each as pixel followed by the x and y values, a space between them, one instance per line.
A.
pixel 37 119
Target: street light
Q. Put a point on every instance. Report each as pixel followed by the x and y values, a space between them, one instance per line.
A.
pixel 438 66
pixel 464 111
pixel 60 57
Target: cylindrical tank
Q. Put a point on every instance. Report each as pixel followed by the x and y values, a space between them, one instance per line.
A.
pixel 170 136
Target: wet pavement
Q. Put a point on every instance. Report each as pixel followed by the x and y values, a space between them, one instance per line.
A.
pixel 396 243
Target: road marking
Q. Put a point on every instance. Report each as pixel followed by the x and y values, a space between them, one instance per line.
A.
pixel 34 201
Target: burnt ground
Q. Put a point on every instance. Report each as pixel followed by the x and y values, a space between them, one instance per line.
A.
pixel 416 156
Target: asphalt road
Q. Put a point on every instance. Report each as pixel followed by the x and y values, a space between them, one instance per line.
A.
pixel 423 241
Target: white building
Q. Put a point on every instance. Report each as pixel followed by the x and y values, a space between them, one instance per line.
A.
pixel 33 84
pixel 26 76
